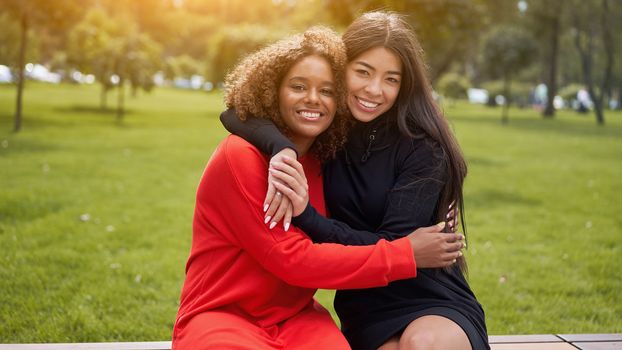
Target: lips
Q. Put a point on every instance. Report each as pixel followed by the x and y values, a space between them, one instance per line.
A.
pixel 310 114
pixel 367 105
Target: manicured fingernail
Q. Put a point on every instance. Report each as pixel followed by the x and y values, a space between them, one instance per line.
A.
pixel 272 224
pixel 459 253
pixel 286 226
pixel 448 215
pixel 454 261
pixel 265 207
pixel 266 219
pixel 441 224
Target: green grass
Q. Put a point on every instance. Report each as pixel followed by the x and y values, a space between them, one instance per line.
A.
pixel 542 209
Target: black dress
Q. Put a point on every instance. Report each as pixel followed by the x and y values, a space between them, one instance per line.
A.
pixel 382 185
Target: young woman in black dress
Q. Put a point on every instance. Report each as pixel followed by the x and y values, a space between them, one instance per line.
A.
pixel 400 169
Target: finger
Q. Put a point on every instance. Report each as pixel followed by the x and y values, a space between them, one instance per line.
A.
pixel 288 192
pixel 269 194
pixel 296 164
pixel 274 205
pixel 289 181
pixel 431 229
pixel 285 202
pixel 453 237
pixel 291 171
pixel 454 255
pixel 452 226
pixel 455 247
pixel 287 220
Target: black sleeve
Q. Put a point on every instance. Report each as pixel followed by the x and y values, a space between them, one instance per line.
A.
pixel 411 204
pixel 260 132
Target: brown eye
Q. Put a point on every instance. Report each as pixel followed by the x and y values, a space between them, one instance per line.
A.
pixel 298 87
pixel 327 92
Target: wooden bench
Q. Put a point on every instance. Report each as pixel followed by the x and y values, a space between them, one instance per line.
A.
pixel 610 341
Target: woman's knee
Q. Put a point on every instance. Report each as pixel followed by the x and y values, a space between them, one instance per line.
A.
pixel 433 332
pixel 418 339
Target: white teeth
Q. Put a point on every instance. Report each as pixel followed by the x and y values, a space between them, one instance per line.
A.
pixel 310 115
pixel 368 104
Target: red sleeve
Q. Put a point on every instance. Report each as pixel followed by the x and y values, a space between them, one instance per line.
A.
pixel 230 198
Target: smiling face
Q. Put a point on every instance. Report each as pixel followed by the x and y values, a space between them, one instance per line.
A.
pixel 306 100
pixel 373 79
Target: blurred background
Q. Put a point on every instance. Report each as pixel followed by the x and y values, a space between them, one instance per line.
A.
pixel 109 112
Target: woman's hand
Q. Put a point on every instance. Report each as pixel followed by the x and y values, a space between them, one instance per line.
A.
pixel 292 182
pixel 276 206
pixel 453 215
pixel 433 248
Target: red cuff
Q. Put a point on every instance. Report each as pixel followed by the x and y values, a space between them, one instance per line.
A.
pixel 403 260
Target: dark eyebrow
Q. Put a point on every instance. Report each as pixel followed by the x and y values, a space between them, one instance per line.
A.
pixel 372 68
pixel 330 82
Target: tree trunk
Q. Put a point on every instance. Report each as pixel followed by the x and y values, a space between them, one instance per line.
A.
pixel 20 72
pixel 506 105
pixel 103 98
pixel 585 54
pixel 608 44
pixel 120 100
pixel 551 83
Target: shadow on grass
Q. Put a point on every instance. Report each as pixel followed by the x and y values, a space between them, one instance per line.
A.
pixel 91 110
pixel 491 198
pixel 17 145
pixel 23 210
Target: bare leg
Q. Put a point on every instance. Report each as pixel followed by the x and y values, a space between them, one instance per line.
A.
pixel 391 344
pixel 434 332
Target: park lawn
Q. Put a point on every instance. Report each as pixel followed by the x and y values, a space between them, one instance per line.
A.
pixel 543 216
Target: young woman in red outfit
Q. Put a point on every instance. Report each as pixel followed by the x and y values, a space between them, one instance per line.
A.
pixel 400 169
pixel 249 287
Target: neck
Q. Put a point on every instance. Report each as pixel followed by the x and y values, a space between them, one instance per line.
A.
pixel 302 144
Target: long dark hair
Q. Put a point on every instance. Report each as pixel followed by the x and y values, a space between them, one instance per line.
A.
pixel 418 116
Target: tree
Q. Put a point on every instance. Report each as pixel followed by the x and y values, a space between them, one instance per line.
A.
pixel 89 49
pixel 116 52
pixel 231 43
pixel 36 14
pixel 591 22
pixel 507 50
pixel 453 86
pixel 546 23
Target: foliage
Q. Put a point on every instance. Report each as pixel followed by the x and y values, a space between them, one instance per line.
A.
pixel 569 92
pixel 10 38
pixel 182 66
pixel 506 51
pixel 231 43
pixel 453 85
pixel 114 47
pixel 519 94
pixel 448 29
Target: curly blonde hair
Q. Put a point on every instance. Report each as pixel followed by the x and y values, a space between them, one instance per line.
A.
pixel 252 88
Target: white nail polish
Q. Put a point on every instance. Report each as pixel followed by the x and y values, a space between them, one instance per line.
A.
pixel 272 224
pixel 265 221
pixel 286 226
pixel 265 207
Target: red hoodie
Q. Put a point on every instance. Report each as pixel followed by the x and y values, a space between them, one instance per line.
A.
pixel 238 265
